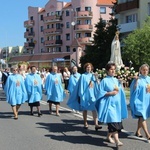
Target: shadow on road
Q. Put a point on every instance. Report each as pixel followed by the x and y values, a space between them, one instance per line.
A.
pixel 69 131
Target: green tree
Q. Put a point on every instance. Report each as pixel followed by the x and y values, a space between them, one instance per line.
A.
pixel 137 45
pixel 99 52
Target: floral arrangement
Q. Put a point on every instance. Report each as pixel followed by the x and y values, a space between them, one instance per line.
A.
pixel 125 74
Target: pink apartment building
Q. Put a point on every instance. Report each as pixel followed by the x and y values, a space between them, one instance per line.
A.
pixel 59 32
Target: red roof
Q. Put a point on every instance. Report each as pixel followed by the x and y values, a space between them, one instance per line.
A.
pixel 105 2
pixel 67 5
pixel 42 10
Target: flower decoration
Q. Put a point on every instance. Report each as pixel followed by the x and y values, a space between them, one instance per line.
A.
pixel 101 73
pixel 125 74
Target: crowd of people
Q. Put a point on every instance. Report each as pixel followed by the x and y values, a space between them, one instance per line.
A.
pixel 105 99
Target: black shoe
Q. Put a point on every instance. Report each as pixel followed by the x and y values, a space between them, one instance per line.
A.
pixel 39 114
pixel 98 127
pixel 138 135
pixel 86 126
pixel 15 118
pixel 31 114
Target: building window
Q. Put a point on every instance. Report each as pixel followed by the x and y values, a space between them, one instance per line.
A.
pixel 52 25
pixel 87 34
pixel 31 18
pixel 47 14
pixel 68 37
pixel 67 13
pixel 57 25
pixel 58 37
pixel 58 49
pixel 58 13
pixel 41 17
pixel 78 9
pixel 131 18
pixel 48 26
pixel 67 48
pixel 78 22
pixel 87 8
pixel 87 21
pixel 52 13
pixel 42 39
pixel 67 25
pixel 41 50
pixel 42 28
pixel 78 35
pixel 103 10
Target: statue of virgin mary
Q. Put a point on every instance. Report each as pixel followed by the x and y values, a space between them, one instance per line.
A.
pixel 116 52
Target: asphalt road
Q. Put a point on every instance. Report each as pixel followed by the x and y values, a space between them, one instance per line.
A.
pixel 66 132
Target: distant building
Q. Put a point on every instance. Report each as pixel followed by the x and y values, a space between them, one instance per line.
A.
pixel 131 14
pixel 59 32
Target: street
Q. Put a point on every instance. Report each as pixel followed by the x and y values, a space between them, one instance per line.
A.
pixel 50 132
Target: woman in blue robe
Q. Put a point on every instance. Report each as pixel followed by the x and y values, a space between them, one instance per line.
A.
pixel 33 83
pixel 15 91
pixel 140 100
pixel 83 97
pixel 111 104
pixel 74 78
pixel 54 90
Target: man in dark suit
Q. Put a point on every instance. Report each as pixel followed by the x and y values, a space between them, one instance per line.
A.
pixel 5 75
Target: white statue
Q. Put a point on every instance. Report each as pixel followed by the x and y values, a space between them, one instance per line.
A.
pixel 116 52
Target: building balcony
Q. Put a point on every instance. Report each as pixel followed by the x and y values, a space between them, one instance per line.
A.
pixel 85 40
pixel 52 31
pixel 127 27
pixel 83 14
pixel 29 34
pixel 29 45
pixel 85 27
pixel 29 23
pixel 53 42
pixel 53 18
pixel 127 6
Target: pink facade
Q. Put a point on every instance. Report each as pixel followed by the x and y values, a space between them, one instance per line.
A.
pixel 63 28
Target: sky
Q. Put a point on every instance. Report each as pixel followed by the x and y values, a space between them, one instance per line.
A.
pixel 13 13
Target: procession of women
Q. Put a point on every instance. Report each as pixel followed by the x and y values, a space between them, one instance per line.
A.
pixel 105 98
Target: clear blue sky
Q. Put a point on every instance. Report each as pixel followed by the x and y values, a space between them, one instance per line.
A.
pixel 13 13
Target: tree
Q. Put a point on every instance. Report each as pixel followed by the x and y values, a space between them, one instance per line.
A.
pixel 137 45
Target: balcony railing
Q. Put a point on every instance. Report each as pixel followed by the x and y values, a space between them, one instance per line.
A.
pixel 52 31
pixel 85 40
pixel 53 42
pixel 29 23
pixel 127 6
pixel 53 18
pixel 29 34
pixel 84 14
pixel 84 27
pixel 128 27
pixel 29 45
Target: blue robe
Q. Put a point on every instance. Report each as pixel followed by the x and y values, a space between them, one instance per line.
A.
pixel 139 98
pixel 111 109
pixel 33 83
pixel 85 90
pixel 53 87
pixel 74 78
pixel 15 90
